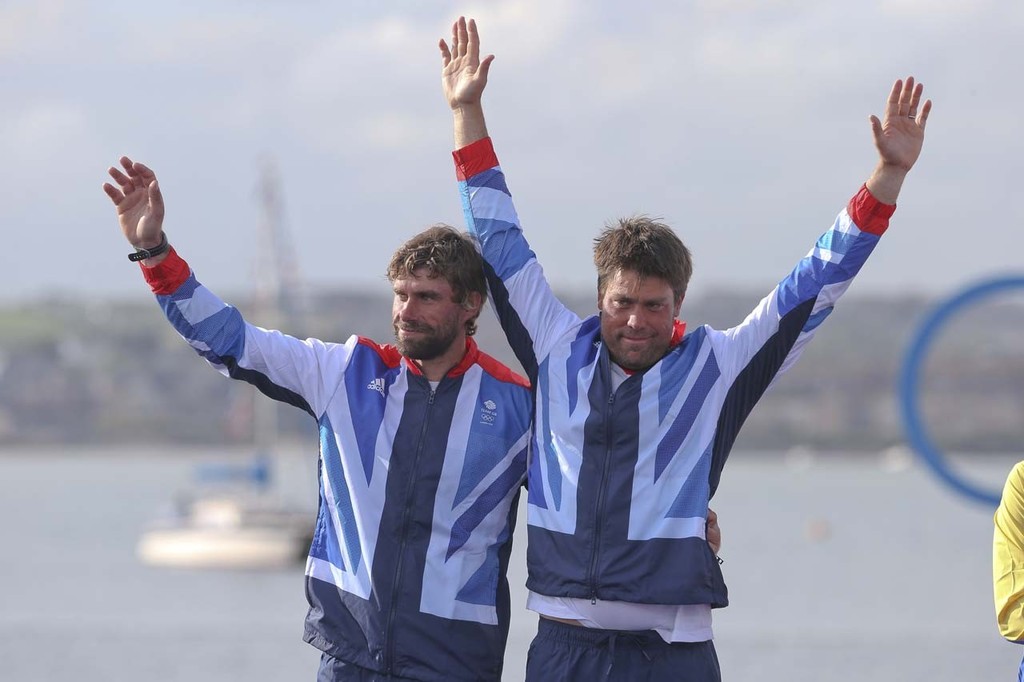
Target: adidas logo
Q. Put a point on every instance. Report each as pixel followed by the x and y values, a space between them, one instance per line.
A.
pixel 376 385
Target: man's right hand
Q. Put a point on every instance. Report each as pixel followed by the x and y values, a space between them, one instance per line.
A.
pixel 139 205
pixel 464 77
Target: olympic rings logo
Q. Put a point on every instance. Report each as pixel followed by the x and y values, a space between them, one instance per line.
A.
pixel 910 380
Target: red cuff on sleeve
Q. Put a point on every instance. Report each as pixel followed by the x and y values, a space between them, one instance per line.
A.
pixel 167 276
pixel 474 158
pixel 868 213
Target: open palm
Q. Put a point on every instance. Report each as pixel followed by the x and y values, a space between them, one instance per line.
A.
pixel 464 75
pixel 899 136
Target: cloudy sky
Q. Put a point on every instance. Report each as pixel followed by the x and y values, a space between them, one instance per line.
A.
pixel 744 124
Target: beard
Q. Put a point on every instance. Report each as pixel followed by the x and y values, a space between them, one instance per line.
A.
pixel 633 358
pixel 432 342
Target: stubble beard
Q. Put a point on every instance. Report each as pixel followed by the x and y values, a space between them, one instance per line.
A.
pixel 433 343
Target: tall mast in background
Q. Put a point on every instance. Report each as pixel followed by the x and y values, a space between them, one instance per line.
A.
pixel 277 298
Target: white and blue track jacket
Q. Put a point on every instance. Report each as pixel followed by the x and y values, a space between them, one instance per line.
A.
pixel 418 487
pixel 619 480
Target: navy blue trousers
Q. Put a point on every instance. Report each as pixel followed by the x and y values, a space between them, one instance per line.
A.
pixel 571 653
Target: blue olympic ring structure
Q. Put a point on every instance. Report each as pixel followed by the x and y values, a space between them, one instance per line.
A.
pixel 910 378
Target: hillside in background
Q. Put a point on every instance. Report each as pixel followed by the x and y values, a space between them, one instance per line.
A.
pixel 93 372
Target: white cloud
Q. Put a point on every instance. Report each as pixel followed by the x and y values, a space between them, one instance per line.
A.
pixel 705 112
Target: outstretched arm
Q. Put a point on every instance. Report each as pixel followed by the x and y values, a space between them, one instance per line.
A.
pixel 301 373
pixel 139 205
pixel 532 317
pixel 898 138
pixel 464 77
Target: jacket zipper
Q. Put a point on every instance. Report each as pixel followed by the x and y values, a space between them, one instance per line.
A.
pixel 389 644
pixel 599 510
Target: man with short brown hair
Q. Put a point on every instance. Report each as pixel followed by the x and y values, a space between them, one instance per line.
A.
pixel 634 417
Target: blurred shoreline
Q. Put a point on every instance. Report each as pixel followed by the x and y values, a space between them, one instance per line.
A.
pixel 112 374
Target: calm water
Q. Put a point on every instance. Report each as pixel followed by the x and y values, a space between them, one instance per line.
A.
pixel 838 570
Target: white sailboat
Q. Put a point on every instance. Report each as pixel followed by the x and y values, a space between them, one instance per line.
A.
pixel 237 519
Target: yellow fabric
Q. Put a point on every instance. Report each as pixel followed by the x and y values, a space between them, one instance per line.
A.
pixel 1008 557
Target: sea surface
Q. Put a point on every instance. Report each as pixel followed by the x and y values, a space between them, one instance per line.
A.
pixel 840 568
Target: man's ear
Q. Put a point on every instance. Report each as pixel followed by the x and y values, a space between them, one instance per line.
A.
pixel 679 305
pixel 474 302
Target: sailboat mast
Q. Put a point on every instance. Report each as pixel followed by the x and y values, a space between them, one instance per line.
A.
pixel 276 292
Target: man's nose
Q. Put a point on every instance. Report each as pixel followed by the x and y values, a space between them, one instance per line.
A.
pixel 406 309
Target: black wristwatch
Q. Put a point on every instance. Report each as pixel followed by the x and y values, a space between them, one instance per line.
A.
pixel 143 254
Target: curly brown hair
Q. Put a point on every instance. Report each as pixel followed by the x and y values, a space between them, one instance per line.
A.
pixel 448 253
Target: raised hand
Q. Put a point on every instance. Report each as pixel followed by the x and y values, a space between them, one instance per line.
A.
pixel 899 137
pixel 139 204
pixel 900 134
pixel 463 75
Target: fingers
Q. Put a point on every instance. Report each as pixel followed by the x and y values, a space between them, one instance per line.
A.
pixel 120 178
pixel 905 102
pixel 922 118
pixel 485 66
pixel 465 42
pixel 156 199
pixel 712 532
pixel 915 98
pixel 906 97
pixel 135 176
pixel 473 41
pixel 462 35
pixel 130 179
pixel 147 176
pixel 114 193
pixel 910 102
pixel 876 126
pixel 892 105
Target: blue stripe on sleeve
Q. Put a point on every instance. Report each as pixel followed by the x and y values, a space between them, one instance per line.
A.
pixel 343 502
pixel 550 458
pixel 366 403
pixel 817 318
pixel 492 178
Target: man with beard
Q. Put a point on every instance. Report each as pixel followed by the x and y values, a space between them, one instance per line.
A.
pixel 423 449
